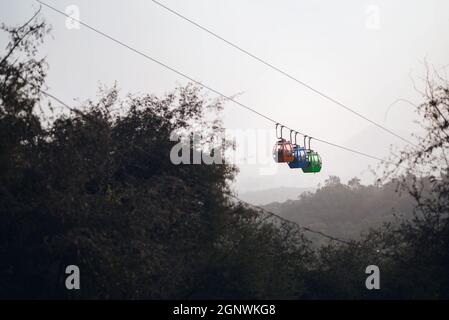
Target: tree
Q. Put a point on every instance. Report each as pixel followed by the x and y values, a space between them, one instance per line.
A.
pixel 354 183
pixel 423 241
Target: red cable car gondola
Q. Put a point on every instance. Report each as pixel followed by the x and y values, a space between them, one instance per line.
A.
pixel 283 149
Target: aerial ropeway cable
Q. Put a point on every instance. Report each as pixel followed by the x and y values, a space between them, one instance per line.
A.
pixel 284 73
pixel 287 155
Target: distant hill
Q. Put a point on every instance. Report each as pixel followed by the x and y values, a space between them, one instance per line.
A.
pixel 266 196
pixel 345 210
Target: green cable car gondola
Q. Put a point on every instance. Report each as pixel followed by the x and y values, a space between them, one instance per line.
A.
pixel 313 159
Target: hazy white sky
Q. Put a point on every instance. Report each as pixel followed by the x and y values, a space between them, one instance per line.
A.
pixel 362 53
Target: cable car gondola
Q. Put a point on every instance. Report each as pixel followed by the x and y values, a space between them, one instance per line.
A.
pixel 314 160
pixel 300 154
pixel 283 149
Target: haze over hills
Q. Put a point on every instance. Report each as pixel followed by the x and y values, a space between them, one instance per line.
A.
pixel 345 210
pixel 266 196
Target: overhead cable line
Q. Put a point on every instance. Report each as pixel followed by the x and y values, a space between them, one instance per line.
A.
pixel 322 234
pixel 286 74
pixel 206 86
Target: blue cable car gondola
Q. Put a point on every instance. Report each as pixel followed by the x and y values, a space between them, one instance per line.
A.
pixel 300 153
